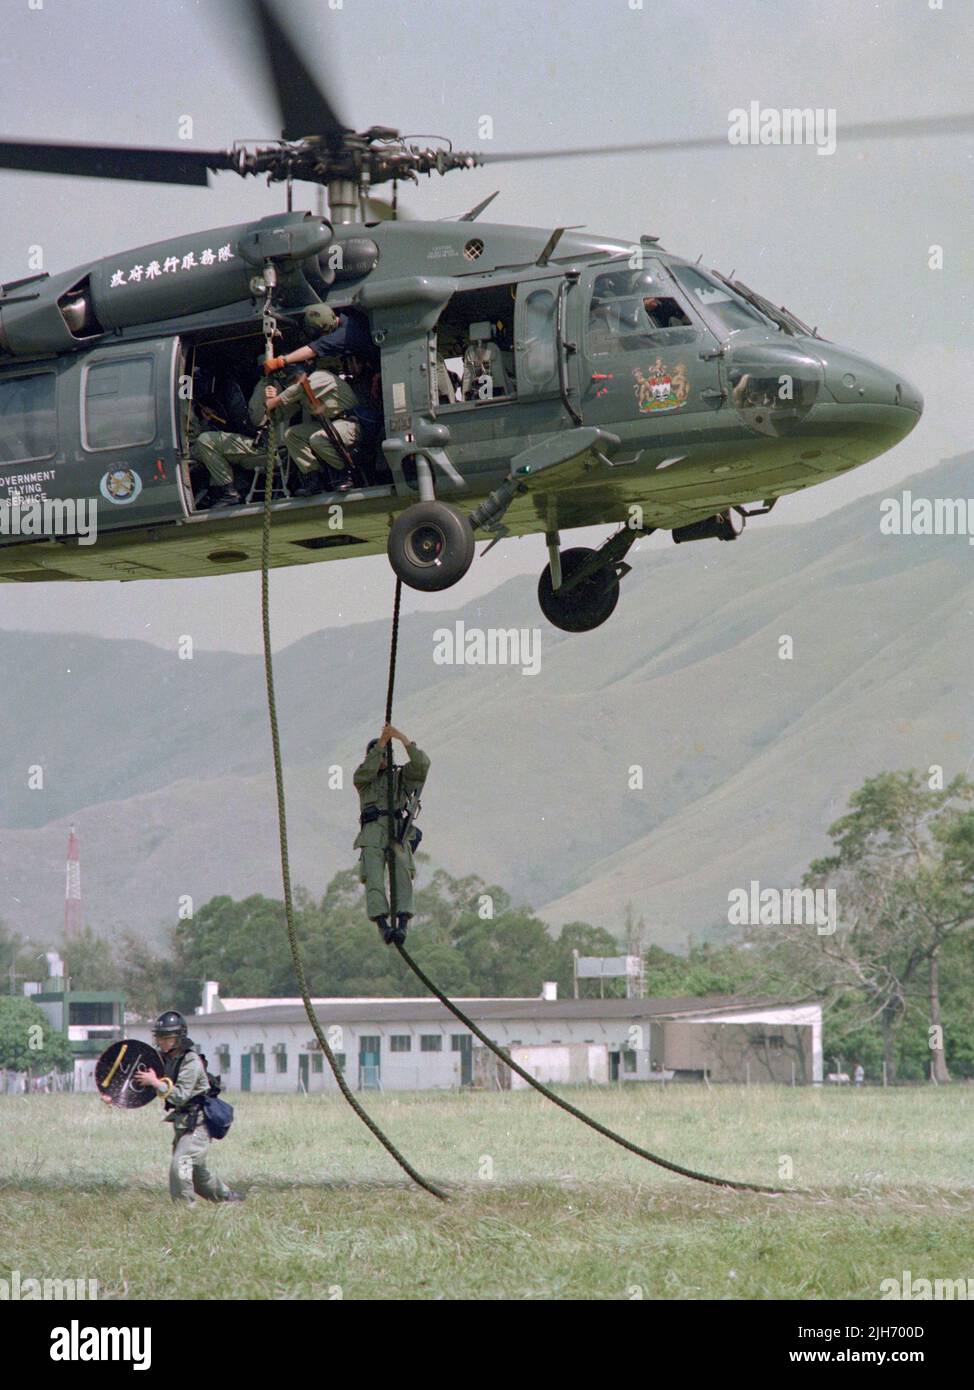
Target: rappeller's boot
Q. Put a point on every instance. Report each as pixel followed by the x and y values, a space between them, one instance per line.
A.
pixel 398 932
pixel 343 481
pixel 385 931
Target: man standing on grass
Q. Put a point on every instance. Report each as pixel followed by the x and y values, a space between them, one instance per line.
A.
pixel 183 1085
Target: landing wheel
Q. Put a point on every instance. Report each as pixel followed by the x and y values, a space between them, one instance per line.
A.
pixel 585 606
pixel 431 545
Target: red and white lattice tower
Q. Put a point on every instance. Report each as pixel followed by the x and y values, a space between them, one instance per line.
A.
pixel 72 889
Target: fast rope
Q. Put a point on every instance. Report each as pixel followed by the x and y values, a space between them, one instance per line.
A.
pixel 390 775
pixel 543 1090
pixel 265 552
pixel 472 1027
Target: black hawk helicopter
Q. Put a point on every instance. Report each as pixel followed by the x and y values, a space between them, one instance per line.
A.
pixel 532 380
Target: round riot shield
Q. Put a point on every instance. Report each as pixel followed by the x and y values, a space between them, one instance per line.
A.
pixel 116 1068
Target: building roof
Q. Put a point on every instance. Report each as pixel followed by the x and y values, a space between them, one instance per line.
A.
pixel 424 1009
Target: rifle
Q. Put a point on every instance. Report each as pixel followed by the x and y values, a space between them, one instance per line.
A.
pixel 413 808
pixel 335 439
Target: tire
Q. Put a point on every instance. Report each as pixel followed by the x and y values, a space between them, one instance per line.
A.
pixel 587 605
pixel 431 546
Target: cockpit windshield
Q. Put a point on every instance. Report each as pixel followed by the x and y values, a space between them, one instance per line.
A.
pixel 783 317
pixel 631 309
pixel 722 307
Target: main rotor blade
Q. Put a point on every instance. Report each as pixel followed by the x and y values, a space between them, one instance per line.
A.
pixel 901 129
pixel 113 161
pixel 304 106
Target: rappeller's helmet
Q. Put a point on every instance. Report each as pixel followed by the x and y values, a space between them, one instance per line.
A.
pixel 170 1025
pixel 371 744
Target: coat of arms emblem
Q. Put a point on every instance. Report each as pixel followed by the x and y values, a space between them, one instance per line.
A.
pixel 660 388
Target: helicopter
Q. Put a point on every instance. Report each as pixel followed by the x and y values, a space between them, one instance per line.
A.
pixel 533 380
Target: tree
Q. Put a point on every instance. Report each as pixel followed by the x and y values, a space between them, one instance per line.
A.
pixel 28 1043
pixel 17 961
pixel 902 871
pixel 149 982
pixel 89 961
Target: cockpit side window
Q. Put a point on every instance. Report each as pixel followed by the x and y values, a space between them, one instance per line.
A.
pixel 725 311
pixel 631 310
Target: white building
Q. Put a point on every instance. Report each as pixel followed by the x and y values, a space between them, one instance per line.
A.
pixel 417 1044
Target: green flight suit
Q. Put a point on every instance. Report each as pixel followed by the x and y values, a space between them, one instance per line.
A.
pixel 189 1173
pixel 307 443
pixel 373 839
pixel 217 450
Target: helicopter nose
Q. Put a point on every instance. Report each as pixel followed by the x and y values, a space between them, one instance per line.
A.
pixel 890 403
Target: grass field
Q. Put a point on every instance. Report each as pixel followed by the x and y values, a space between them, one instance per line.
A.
pixel 540 1206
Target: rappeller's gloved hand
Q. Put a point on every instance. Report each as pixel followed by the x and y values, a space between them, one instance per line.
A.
pixel 273 364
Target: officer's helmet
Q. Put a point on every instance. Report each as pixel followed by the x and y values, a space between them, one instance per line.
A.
pixel 321 318
pixel 169 1025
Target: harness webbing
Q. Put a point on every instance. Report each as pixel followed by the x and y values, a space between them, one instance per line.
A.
pixel 265 552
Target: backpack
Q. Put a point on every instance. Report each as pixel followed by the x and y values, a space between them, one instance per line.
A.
pixel 217 1114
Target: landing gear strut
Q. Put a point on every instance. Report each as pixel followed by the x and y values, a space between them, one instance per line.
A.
pixel 579 588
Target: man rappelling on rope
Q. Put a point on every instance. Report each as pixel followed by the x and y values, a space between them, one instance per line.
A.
pixel 377 848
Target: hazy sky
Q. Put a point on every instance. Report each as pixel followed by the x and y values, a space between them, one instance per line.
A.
pixel 843 240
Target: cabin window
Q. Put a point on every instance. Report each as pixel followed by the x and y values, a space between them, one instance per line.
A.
pixel 119 404
pixel 538 357
pixel 28 418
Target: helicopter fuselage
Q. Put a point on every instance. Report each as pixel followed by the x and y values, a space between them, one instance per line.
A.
pixel 623 385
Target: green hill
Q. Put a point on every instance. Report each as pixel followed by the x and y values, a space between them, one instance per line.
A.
pixel 746 758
